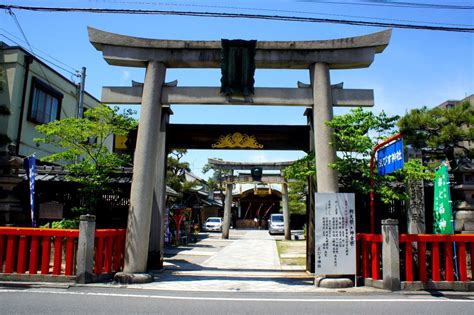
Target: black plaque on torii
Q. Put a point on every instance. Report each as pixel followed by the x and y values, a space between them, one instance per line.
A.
pixel 238 67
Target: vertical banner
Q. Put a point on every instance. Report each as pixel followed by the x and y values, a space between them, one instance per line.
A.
pixel 335 234
pixel 30 168
pixel 442 214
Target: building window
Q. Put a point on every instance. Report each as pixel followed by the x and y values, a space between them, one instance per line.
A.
pixel 45 103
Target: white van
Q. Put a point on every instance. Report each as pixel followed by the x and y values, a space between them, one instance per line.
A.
pixel 276 224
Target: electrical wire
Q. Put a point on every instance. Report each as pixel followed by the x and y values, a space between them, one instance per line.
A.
pixel 39 56
pixel 45 76
pixel 242 16
pixel 398 4
pixel 195 5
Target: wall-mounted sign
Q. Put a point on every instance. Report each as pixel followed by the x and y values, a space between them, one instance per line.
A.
pixel 335 240
pixel 390 158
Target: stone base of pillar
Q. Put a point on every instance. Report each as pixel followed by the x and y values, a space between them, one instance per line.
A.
pixel 132 278
pixel 333 283
pixel 155 261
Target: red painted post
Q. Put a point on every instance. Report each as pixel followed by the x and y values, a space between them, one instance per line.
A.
pixel 375 261
pixel 462 261
pixel 45 255
pixel 422 261
pixel 21 265
pixel 435 272
pixel 11 251
pixel 58 255
pixel 2 250
pixel 108 254
pixel 69 256
pixel 365 259
pixel 34 255
pixel 408 262
pixel 117 253
pixel 448 249
pixel 372 180
pixel 99 252
pixel 472 260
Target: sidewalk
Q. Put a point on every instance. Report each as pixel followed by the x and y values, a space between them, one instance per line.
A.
pixel 247 262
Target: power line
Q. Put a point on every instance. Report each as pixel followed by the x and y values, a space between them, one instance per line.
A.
pixel 195 5
pixel 242 16
pixel 398 4
pixel 37 49
pixel 12 14
pixel 40 57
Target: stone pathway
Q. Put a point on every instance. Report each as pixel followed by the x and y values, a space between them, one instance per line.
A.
pixel 247 262
pixel 254 250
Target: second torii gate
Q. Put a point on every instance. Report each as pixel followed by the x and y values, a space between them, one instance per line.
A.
pixel 273 178
pixel 158 55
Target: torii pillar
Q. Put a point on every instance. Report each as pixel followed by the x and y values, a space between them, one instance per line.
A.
pixel 326 177
pixel 144 172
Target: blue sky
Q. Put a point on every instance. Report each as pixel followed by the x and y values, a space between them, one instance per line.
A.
pixel 417 68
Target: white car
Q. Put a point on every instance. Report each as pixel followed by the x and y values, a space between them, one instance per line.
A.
pixel 213 224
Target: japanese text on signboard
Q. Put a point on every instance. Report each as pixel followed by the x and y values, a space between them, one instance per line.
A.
pixel 335 233
pixel 390 158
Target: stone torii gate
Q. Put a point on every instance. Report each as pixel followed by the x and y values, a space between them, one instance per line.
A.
pixel 158 55
pixel 246 179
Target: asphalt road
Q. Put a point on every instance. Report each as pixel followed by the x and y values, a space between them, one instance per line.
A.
pixel 87 300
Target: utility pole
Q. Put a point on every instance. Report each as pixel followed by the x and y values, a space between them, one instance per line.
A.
pixel 80 111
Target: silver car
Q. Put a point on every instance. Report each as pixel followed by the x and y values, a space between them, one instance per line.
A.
pixel 213 224
pixel 276 224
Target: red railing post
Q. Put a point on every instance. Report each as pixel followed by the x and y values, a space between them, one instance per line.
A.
pixel 462 261
pixel 2 250
pixel 435 272
pixel 422 261
pixel 117 253
pixel 472 260
pixel 34 255
pixel 11 253
pixel 408 261
pixel 375 261
pixel 45 254
pixel 69 256
pixel 58 241
pixel 21 266
pixel 448 249
pixel 108 254
pixel 365 259
pixel 99 252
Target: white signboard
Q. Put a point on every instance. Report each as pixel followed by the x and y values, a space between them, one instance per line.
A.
pixel 335 234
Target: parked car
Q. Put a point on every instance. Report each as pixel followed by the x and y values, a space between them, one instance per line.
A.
pixel 276 224
pixel 213 224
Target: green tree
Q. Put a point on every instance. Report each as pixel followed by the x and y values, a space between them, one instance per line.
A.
pixel 355 135
pixel 176 174
pixel 440 131
pixel 216 181
pixel 83 140
pixel 297 196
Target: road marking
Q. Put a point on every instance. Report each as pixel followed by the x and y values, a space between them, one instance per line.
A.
pixel 197 298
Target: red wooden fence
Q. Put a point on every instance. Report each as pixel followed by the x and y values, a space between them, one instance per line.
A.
pixel 28 251
pixel 423 257
pixel 369 253
pixel 433 257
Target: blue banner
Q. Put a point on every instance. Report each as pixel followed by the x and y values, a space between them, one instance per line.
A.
pixel 30 168
pixel 390 158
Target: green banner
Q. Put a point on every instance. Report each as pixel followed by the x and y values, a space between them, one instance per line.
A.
pixel 442 216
